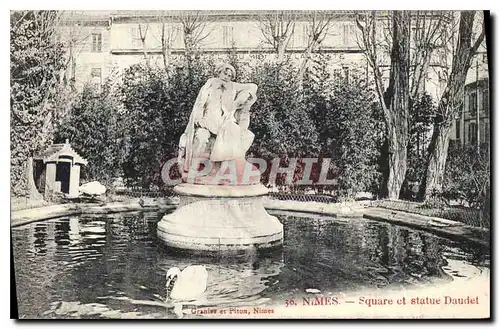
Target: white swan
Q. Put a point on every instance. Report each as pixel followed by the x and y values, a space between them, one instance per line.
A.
pixel 186 285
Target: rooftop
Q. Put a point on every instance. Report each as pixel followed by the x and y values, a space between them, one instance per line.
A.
pixel 56 151
pixel 124 15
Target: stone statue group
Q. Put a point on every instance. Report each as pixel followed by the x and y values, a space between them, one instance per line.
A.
pixel 221 205
pixel 217 132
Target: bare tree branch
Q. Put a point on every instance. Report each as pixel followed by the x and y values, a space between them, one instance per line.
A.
pixel 195 30
pixel 426 30
pixel 318 26
pixel 277 28
pixel 367 27
pixel 142 37
pixel 478 42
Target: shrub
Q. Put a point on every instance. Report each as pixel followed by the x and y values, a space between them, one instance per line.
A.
pixel 467 176
pixel 281 118
pixel 349 132
pixel 422 112
pixel 92 127
pixel 157 105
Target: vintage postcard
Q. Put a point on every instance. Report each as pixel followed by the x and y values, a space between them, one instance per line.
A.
pixel 237 164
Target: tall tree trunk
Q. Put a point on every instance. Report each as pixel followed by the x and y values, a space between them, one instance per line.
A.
pixel 142 36
pixel 397 160
pixel 305 61
pixel 436 161
pixel 164 47
pixel 449 106
pixel 189 46
pixel 384 167
pixel 397 97
pixel 281 51
pixel 437 151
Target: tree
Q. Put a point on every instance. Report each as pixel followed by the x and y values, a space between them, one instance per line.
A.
pixel 195 28
pixel 277 28
pixel 319 23
pixel 168 34
pixel 92 128
pixel 142 36
pixel 467 176
pixel 450 102
pixel 395 100
pixel 74 38
pixel 36 65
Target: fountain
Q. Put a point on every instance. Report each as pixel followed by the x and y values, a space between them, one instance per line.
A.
pixel 221 197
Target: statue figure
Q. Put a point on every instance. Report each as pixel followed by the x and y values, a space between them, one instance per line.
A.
pixel 218 125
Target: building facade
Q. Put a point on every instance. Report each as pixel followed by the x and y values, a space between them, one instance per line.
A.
pixel 474 122
pixel 472 125
pixel 106 41
pixel 102 42
pixel 86 36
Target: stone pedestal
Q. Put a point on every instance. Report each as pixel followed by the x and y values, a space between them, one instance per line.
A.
pixel 220 218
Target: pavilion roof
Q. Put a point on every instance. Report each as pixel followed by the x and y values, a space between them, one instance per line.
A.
pixel 56 151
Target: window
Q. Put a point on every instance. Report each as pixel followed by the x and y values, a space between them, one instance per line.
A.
pixel 227 36
pixel 485 101
pixel 345 35
pixel 482 132
pixel 472 133
pixel 96 42
pixel 457 129
pixel 473 103
pixel 136 38
pixel 348 35
pixel 306 30
pixel 486 132
pixel 96 78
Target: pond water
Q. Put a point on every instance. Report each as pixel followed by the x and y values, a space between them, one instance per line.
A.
pixel 114 266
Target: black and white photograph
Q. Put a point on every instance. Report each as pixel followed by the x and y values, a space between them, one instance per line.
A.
pixel 250 164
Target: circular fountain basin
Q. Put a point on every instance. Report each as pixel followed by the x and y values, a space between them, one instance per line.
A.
pixel 220 218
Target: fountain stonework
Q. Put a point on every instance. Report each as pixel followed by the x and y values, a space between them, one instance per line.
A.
pixel 221 197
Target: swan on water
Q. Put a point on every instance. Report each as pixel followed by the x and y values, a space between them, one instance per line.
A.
pixel 186 285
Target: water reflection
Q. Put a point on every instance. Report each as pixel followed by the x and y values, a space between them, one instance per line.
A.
pixel 114 266
pixel 40 247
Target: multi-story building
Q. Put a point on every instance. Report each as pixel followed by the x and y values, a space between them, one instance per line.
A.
pixel 86 35
pixel 474 122
pixel 100 42
pixel 472 125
